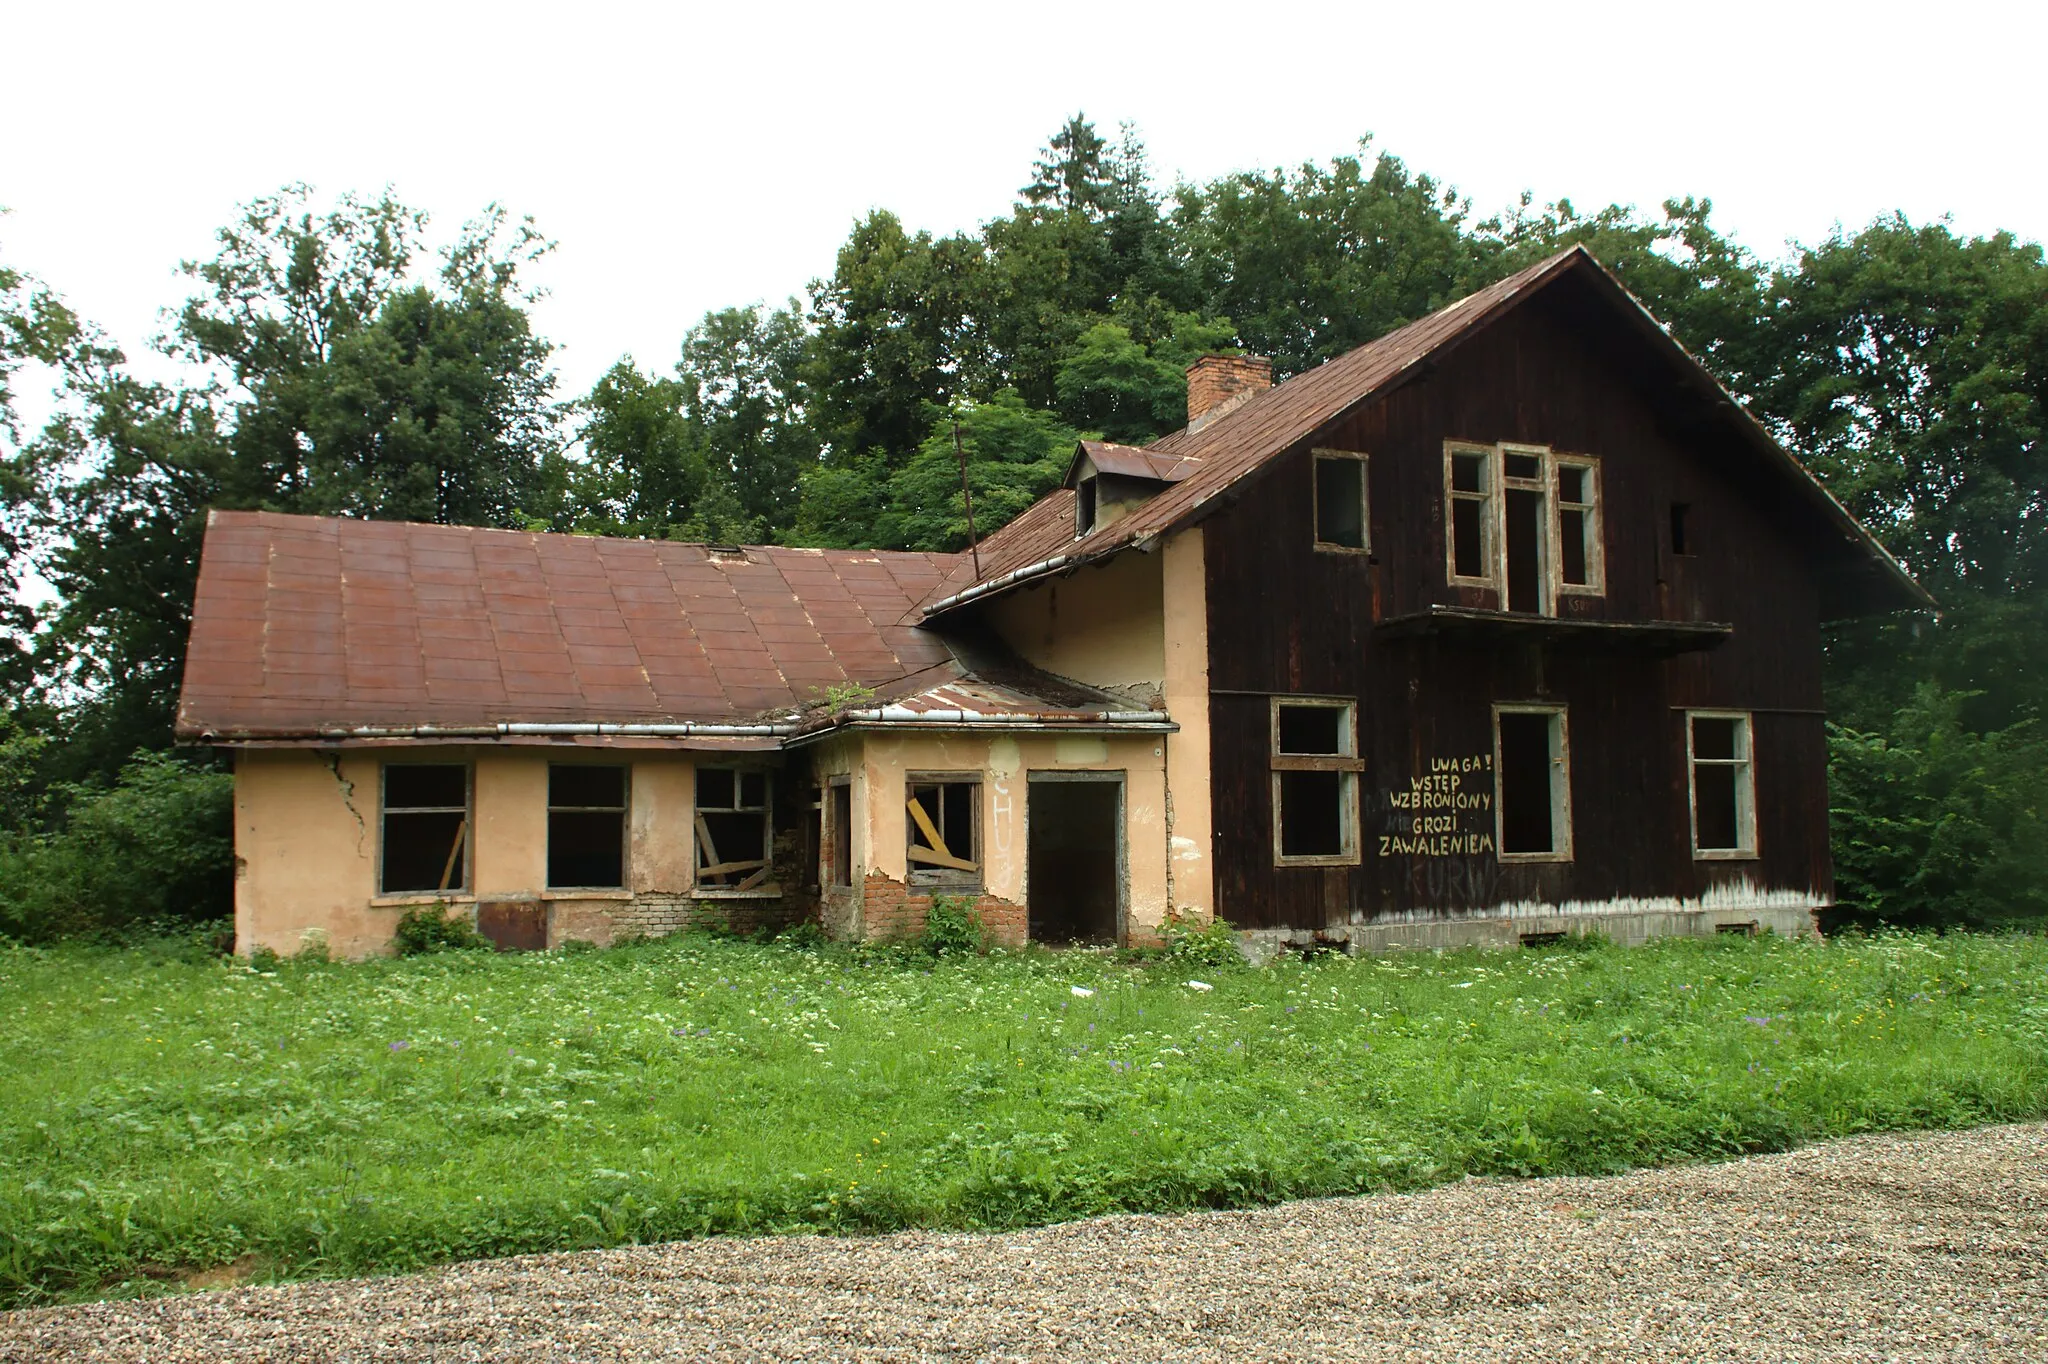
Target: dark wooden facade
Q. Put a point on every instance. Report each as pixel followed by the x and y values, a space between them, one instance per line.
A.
pixel 1562 370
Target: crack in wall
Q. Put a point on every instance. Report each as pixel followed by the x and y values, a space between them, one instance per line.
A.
pixel 348 794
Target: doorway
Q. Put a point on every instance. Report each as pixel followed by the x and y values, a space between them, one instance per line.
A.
pixel 1074 885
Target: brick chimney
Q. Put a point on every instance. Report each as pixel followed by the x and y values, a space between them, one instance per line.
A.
pixel 1217 383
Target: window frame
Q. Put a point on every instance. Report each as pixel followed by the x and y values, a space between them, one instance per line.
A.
pixel 1595 532
pixel 467 835
pixel 1347 764
pixel 624 810
pixel 838 832
pixel 1543 485
pixel 1561 786
pixel 942 877
pixel 1745 786
pixel 1087 504
pixel 1317 457
pixel 762 882
pixel 1488 499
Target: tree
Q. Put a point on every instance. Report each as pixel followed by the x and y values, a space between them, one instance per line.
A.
pixel 1015 455
pixel 644 465
pixel 739 375
pixel 1074 172
pixel 1113 384
pixel 340 384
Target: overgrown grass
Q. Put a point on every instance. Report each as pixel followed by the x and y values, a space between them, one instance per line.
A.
pixel 159 1113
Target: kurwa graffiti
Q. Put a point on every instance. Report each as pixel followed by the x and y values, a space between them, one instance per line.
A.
pixel 1445 813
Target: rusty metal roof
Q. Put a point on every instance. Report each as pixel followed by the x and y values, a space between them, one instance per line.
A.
pixel 315 625
pixel 1130 461
pixel 1249 435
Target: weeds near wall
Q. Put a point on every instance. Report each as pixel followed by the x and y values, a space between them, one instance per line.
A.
pixel 431 928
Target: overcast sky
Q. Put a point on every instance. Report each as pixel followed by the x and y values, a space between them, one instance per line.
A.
pixel 688 160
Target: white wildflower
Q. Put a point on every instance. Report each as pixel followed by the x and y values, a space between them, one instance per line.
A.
pixel 1081 992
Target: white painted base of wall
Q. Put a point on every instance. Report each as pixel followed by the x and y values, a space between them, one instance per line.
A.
pixel 1628 922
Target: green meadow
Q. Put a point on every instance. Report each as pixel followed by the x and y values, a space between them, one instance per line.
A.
pixel 161 1114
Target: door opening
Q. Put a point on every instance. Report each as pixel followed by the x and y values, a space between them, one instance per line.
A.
pixel 1075 870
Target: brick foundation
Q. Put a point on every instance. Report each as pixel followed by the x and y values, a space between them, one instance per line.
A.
pixel 891 910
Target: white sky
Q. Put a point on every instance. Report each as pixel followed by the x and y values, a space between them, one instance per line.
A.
pixel 690 158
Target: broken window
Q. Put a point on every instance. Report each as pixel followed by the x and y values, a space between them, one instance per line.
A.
pixel 1470 488
pixel 1340 500
pixel 425 841
pixel 1723 785
pixel 943 829
pixel 1579 560
pixel 1533 800
pixel 1315 781
pixel 586 826
pixel 840 833
pixel 1524 490
pixel 1084 507
pixel 733 829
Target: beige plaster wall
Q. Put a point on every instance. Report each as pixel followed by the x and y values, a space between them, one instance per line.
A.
pixel 1005 763
pixel 1184 618
pixel 306 844
pixel 1101 626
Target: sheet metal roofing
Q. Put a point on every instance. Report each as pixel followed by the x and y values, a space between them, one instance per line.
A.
pixel 1255 431
pixel 1130 461
pixel 315 625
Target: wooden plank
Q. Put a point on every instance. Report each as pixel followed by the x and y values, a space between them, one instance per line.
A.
pixel 448 870
pixel 752 881
pixel 707 847
pixel 924 823
pixel 939 859
pixel 727 868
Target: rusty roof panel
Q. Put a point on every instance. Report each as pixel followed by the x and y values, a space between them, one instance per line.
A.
pixel 303 625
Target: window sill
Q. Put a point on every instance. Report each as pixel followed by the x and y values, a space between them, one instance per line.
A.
pixel 1317 861
pixel 758 893
pixel 421 897
pixel 1513 859
pixel 586 893
pixel 1724 855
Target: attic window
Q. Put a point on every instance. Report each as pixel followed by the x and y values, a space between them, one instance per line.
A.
pixel 733 827
pixel 425 840
pixel 1315 768
pixel 586 826
pixel 1084 507
pixel 944 813
pixel 1340 500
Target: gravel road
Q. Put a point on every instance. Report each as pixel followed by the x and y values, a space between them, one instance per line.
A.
pixel 1879 1248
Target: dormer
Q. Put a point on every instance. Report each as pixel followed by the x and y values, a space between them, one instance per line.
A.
pixel 1111 481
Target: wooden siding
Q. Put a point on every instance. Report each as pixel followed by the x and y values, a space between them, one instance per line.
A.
pixel 1284 618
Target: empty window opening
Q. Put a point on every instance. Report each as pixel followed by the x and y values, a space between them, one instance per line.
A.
pixel 1315 781
pixel 1681 516
pixel 943 829
pixel 1723 787
pixel 1525 550
pixel 1578 526
pixel 1471 531
pixel 586 826
pixel 814 839
pixel 1534 796
pixel 840 825
pixel 425 842
pixel 733 829
pixel 1084 507
pixel 1074 874
pixel 1340 500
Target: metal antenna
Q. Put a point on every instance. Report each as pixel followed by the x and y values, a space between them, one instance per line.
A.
pixel 967 496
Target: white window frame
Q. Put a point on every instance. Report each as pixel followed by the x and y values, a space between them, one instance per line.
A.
pixel 1744 764
pixel 465 837
pixel 1595 531
pixel 1542 486
pixel 1489 511
pixel 1560 786
pixel 1315 493
pixel 1347 764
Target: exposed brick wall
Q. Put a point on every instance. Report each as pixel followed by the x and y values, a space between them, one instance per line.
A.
pixel 657 915
pixel 892 910
pixel 1219 381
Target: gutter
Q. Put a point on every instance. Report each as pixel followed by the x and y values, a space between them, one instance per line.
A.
pixel 1015 575
pixel 681 730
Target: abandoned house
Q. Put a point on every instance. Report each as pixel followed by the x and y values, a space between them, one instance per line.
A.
pixel 1505 625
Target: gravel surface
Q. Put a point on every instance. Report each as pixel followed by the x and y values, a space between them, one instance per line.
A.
pixel 1879 1248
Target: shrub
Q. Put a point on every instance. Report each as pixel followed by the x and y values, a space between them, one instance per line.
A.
pixel 431 928
pixel 154 849
pixel 1211 944
pixel 951 928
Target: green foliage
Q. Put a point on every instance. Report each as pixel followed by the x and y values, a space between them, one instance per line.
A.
pixel 1015 455
pixel 1212 944
pixel 169 1113
pixel 952 928
pixel 154 848
pixel 426 929
pixel 1938 826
